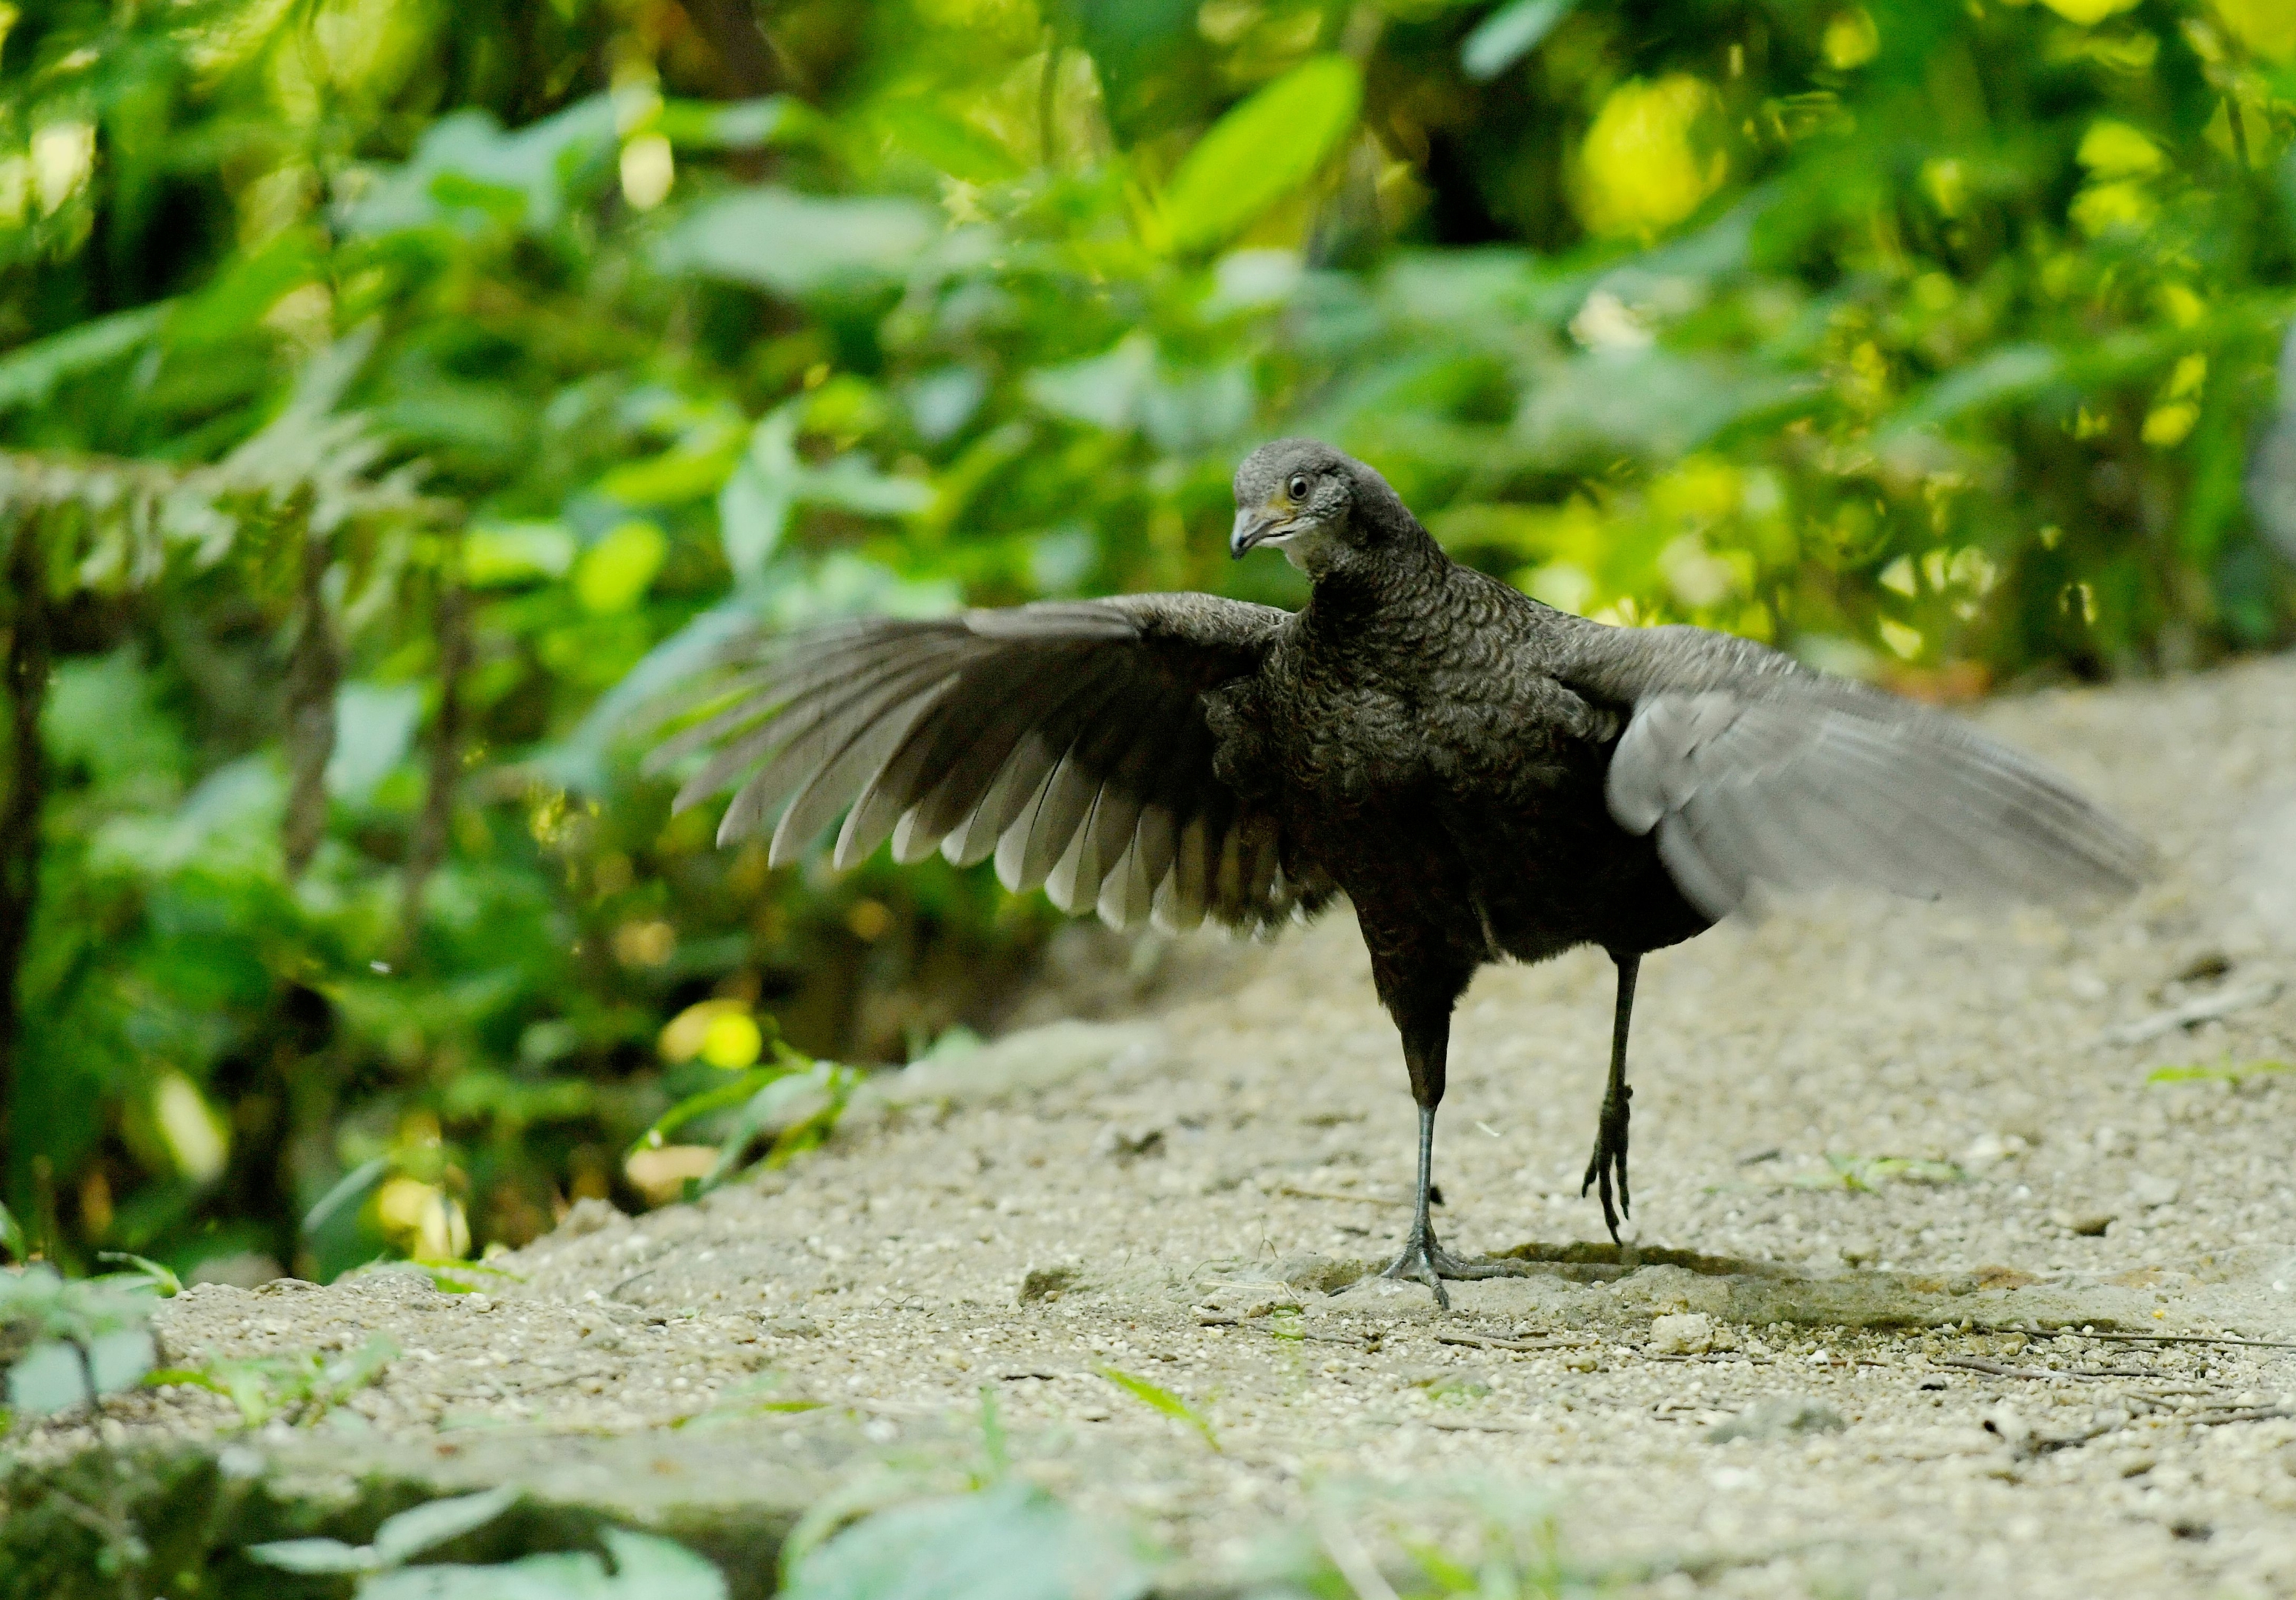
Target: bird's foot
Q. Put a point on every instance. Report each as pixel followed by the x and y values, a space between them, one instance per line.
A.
pixel 1611 1158
pixel 1424 1260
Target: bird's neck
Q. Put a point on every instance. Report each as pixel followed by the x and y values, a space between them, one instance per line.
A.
pixel 1402 574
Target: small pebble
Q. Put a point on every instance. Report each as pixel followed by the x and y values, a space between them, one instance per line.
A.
pixel 1688 1334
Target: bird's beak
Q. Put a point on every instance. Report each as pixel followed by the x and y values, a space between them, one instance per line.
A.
pixel 1252 527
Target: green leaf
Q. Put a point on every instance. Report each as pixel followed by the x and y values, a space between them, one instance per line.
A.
pixel 1101 391
pixel 934 133
pixel 1160 1399
pixel 758 1397
pixel 465 162
pixel 2010 374
pixel 2227 1070
pixel 738 124
pixel 1013 1542
pixel 399 1539
pixel 723 1097
pixel 1508 34
pixel 1652 403
pixel 753 508
pixel 418 1528
pixel 996 1455
pixel 1862 1175
pixel 672 478
pixel 313 1555
pixel 580 761
pixel 646 1568
pixel 347 1190
pixel 1261 151
pixel 158 1278
pixel 29 375
pixel 498 554
pixel 460 1278
pixel 374 729
pixel 53 1374
pixel 849 483
pixel 771 480
pixel 11 1236
pixel 796 1108
pixel 614 574
pixel 796 244
pixel 235 301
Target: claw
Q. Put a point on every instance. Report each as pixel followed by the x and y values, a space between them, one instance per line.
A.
pixel 1424 1260
pixel 1610 1156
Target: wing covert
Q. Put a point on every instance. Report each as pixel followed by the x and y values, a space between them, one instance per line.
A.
pixel 1068 740
pixel 1748 769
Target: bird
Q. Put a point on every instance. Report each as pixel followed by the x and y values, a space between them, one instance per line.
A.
pixel 1480 776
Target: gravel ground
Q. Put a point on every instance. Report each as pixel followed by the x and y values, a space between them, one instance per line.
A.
pixel 1889 1161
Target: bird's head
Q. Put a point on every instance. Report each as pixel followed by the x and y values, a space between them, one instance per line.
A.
pixel 1324 510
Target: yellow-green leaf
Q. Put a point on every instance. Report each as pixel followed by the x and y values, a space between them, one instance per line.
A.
pixel 615 570
pixel 1261 151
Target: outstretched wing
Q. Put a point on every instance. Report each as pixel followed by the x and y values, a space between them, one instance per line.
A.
pixel 1751 768
pixel 1068 739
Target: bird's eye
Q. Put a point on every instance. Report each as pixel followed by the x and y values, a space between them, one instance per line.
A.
pixel 1298 486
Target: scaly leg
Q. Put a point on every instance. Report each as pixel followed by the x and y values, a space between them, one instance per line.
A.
pixel 1611 1132
pixel 1424 1260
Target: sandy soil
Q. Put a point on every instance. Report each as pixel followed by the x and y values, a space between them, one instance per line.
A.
pixel 1889 1159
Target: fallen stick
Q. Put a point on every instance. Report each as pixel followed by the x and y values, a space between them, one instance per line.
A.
pixel 1484 1341
pixel 1296 1193
pixel 1972 1364
pixel 2261 1344
pixel 2245 1414
pixel 2208 1009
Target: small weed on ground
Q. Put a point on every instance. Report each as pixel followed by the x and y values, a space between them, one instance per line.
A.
pixel 301 1388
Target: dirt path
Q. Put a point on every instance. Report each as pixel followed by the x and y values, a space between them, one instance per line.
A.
pixel 1890 1133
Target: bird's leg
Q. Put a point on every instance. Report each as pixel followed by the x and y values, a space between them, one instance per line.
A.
pixel 1424 1260
pixel 1611 1133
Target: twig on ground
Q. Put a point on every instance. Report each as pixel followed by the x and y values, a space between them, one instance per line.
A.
pixel 1485 1342
pixel 2243 1414
pixel 2208 1009
pixel 1298 1192
pixel 1264 1325
pixel 1972 1364
pixel 2261 1344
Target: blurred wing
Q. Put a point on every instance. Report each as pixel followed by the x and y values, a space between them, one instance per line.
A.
pixel 1067 739
pixel 1750 768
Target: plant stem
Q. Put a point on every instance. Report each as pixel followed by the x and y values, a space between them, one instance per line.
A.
pixel 429 844
pixel 27 687
pixel 313 673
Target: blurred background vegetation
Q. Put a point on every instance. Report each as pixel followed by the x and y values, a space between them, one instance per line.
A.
pixel 394 394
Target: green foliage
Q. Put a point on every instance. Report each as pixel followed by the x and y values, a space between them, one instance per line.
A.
pixel 142 1271
pixel 1262 151
pixel 301 1388
pixel 65 1342
pixel 398 1539
pixel 1436 1539
pixel 1162 1400
pixel 2227 1070
pixel 1008 1542
pixel 644 1567
pixel 400 404
pixel 1863 1174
